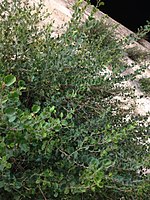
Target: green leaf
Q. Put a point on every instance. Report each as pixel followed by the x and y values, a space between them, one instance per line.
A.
pixel 9 80
pixel 61 115
pixel 10 111
pixel 21 83
pixel 12 118
pixel 2 184
pixel 14 96
pixel 18 185
pixel 35 108
pixel 24 147
pixel 107 163
pixel 98 178
pixel 8 165
pixel 56 194
pixel 66 191
pixel 64 122
pixel 44 135
pixel 69 116
pixel 52 109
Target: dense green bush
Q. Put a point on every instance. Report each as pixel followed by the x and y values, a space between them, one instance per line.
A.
pixel 60 135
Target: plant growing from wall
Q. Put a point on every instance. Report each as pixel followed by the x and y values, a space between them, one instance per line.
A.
pixel 61 137
pixel 145 85
pixel 141 34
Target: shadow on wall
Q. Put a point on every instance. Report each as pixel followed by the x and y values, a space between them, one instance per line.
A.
pixel 130 13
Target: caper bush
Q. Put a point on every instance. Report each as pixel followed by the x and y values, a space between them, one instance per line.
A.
pixel 61 134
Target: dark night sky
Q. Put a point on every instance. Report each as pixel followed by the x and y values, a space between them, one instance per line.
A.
pixel 130 13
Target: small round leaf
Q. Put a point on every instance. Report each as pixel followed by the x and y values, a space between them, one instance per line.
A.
pixel 10 111
pixel 35 108
pixel 9 80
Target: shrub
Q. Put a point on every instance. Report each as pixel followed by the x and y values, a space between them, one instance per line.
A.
pixel 141 34
pixel 42 61
pixel 145 85
pixel 60 135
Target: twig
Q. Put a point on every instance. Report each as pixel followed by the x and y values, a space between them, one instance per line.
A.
pixel 42 193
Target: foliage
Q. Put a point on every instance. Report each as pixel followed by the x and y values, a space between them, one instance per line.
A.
pixel 60 135
pixel 97 3
pixel 145 85
pixel 142 33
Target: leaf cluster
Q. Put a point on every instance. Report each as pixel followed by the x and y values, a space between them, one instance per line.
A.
pixel 61 137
